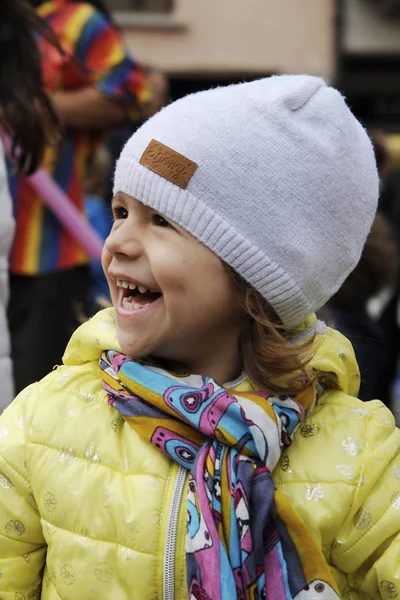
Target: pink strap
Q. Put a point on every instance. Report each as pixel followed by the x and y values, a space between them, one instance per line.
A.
pixel 61 206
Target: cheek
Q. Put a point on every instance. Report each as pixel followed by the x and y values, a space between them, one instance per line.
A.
pixel 105 259
pixel 219 293
pixel 169 269
pixel 211 289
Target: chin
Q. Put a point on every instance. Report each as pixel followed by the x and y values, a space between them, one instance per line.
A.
pixel 131 348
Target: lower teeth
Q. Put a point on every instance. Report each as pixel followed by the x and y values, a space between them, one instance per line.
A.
pixel 131 304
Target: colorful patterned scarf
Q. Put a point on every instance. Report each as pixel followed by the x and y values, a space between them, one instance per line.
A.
pixel 244 540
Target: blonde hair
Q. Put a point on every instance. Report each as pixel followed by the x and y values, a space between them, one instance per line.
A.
pixel 271 362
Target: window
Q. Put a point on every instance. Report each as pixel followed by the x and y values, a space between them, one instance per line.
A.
pixel 154 6
pixel 388 8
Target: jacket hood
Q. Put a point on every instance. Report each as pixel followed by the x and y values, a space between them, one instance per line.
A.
pixel 332 352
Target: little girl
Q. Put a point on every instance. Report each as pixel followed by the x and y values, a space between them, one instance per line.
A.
pixel 203 438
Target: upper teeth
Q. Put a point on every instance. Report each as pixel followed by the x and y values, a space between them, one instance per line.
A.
pixel 132 286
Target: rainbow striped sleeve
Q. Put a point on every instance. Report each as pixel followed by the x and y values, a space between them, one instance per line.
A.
pixel 110 67
pixel 95 55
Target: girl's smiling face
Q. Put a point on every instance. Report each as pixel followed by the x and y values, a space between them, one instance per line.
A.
pixel 172 296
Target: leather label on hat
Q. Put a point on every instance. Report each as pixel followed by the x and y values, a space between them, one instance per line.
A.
pixel 169 164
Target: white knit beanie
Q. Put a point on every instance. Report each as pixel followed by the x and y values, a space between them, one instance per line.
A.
pixel 276 177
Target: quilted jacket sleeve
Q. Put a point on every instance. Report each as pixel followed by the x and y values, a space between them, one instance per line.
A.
pixel 22 545
pixel 367 548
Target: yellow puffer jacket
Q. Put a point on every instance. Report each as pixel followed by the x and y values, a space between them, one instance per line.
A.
pixel 88 510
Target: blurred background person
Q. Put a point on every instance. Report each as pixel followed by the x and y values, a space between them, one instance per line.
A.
pixel 99 214
pixel 388 312
pixel 377 271
pixel 389 322
pixel 98 180
pixel 115 141
pixel 28 118
pixel 93 85
pixel 364 309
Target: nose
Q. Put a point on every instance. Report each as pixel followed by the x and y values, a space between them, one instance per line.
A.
pixel 124 240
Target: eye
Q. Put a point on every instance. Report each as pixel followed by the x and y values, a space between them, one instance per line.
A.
pixel 119 212
pixel 159 221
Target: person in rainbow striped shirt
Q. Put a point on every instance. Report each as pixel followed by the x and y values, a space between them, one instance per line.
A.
pixel 94 85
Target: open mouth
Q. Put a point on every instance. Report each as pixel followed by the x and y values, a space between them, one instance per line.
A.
pixel 135 297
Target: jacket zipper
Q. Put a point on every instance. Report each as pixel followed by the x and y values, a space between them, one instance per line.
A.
pixel 172 529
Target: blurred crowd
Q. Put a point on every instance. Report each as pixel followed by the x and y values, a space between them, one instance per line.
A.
pixel 81 92
pixel 97 95
pixel 366 309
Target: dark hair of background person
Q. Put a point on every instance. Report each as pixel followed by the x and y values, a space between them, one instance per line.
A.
pixel 98 4
pixel 377 268
pixel 26 112
pixel 382 156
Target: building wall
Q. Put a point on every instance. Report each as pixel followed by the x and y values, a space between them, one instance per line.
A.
pixel 366 31
pixel 236 36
